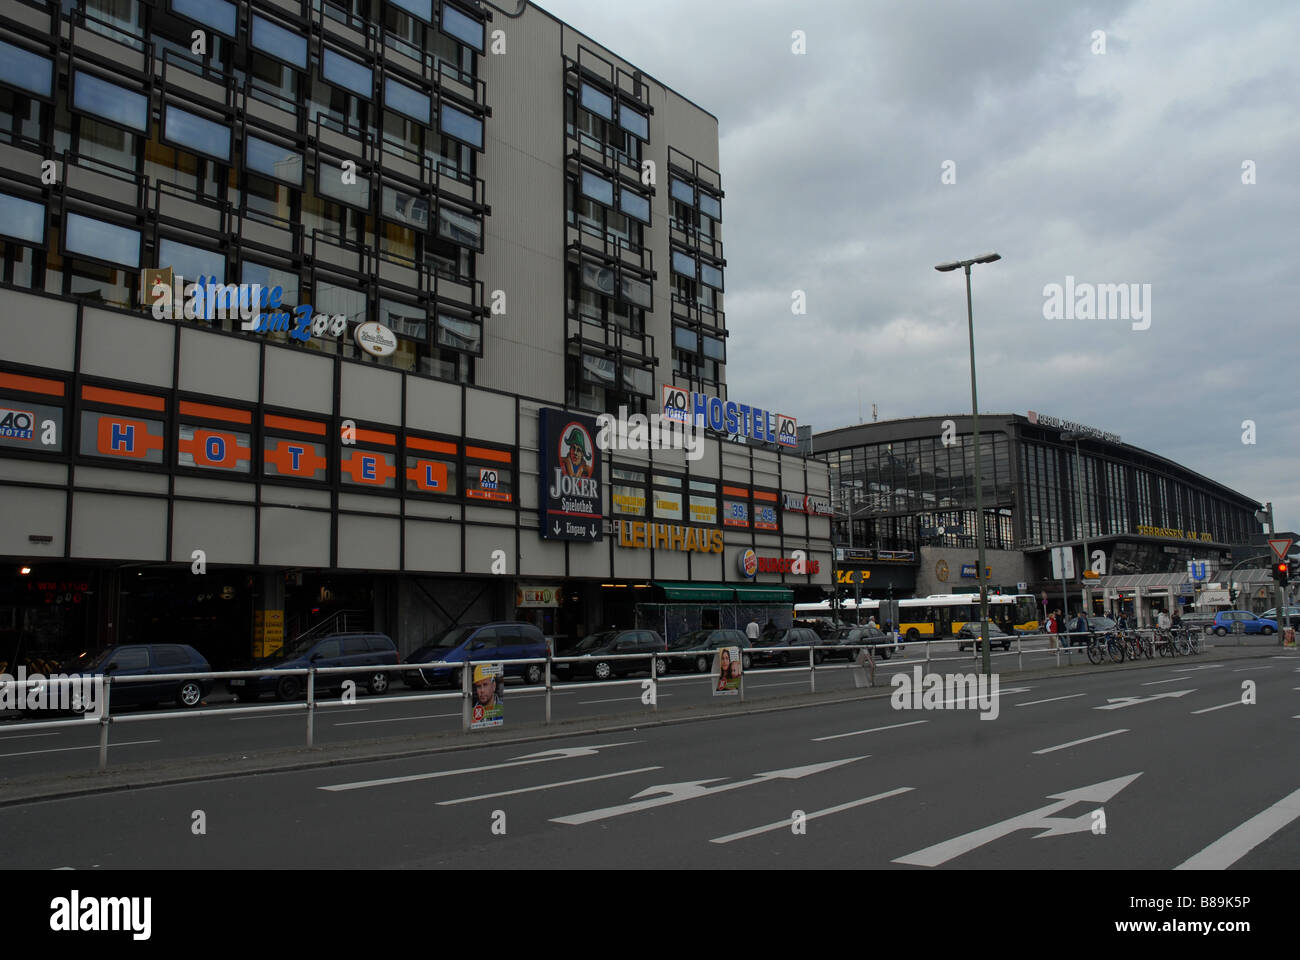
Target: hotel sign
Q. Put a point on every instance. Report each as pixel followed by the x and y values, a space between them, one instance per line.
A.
pixel 569 498
pixel 729 417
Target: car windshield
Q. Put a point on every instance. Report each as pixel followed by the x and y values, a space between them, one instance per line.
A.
pixel 692 639
pixel 96 661
pixel 596 640
pixel 452 637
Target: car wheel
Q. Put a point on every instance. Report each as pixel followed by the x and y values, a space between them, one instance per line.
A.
pixel 377 684
pixel 913 635
pixel 287 688
pixel 190 694
pixel 884 653
pixel 453 678
pixel 818 656
pixel 661 667
pixel 701 664
pixel 1220 631
pixel 602 671
pixel 1267 631
pixel 746 661
pixel 533 675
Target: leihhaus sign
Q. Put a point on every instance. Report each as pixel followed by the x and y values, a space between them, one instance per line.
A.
pixel 668 536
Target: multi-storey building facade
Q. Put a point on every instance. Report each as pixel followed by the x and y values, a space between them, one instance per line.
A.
pixel 906 496
pixel 458 215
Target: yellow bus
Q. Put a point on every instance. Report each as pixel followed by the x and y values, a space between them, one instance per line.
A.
pixel 939 616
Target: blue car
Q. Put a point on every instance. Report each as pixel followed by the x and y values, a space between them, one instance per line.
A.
pixel 170 663
pixel 360 650
pixel 502 640
pixel 1225 622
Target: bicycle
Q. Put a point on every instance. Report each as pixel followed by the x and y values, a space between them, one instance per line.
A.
pixel 1164 643
pixel 1182 641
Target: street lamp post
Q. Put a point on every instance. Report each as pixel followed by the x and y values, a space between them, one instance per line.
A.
pixel 1083 528
pixel 1279 595
pixel 975 429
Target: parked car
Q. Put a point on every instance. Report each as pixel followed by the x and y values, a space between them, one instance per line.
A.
pixel 969 636
pixel 503 640
pixel 358 650
pixel 869 636
pixel 171 663
pixel 595 648
pixel 694 650
pixel 771 649
pixel 1225 622
pixel 1292 612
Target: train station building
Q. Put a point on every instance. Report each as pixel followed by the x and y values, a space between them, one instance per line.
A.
pixel 1154 532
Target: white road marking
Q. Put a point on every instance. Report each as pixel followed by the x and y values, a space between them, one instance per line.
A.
pixel 427 716
pixel 855 733
pixel 563 753
pixel 1202 666
pixel 784 683
pixel 29 736
pixel 584 703
pixel 545 786
pixel 1032 703
pixel 1151 683
pixel 93 746
pixel 1075 743
pixel 785 824
pixel 1235 703
pixel 941 853
pixel 1115 703
pixel 1245 669
pixel 1238 842
pixel 665 793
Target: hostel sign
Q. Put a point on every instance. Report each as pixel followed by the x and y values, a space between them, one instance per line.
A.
pixel 728 416
pixel 569 499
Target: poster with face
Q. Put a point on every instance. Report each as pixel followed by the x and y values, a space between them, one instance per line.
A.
pixel 726 672
pixel 488 706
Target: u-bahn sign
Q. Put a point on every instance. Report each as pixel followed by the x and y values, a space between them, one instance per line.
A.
pixel 569 498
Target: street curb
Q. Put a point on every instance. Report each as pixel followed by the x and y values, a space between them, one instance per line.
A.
pixel 127 779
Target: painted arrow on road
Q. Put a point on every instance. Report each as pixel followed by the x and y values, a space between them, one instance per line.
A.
pixel 666 793
pixel 1040 819
pixel 560 753
pixel 1115 703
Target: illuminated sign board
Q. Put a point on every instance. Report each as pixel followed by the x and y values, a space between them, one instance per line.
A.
pixel 728 416
pixel 569 498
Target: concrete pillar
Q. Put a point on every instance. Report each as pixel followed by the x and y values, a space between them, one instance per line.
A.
pixel 1139 607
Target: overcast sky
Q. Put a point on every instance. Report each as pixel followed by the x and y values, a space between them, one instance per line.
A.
pixel 1117 167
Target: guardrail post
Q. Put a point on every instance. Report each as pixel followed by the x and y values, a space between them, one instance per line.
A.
pixel 464 697
pixel 927 654
pixel 548 686
pixel 654 682
pixel 812 670
pixel 743 671
pixel 104 721
pixel 311 707
pixel 1020 651
pixel 1060 642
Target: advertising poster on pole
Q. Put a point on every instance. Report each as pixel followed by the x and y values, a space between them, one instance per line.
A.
pixel 489 707
pixel 726 672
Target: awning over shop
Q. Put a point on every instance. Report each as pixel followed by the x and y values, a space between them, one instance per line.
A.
pixel 754 593
pixel 696 592
pixel 724 593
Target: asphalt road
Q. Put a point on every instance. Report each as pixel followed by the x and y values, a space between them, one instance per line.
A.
pixel 1150 768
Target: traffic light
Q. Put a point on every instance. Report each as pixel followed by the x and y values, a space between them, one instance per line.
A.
pixel 1281 571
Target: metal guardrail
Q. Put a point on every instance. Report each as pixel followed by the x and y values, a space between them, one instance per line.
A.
pixel 862 656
